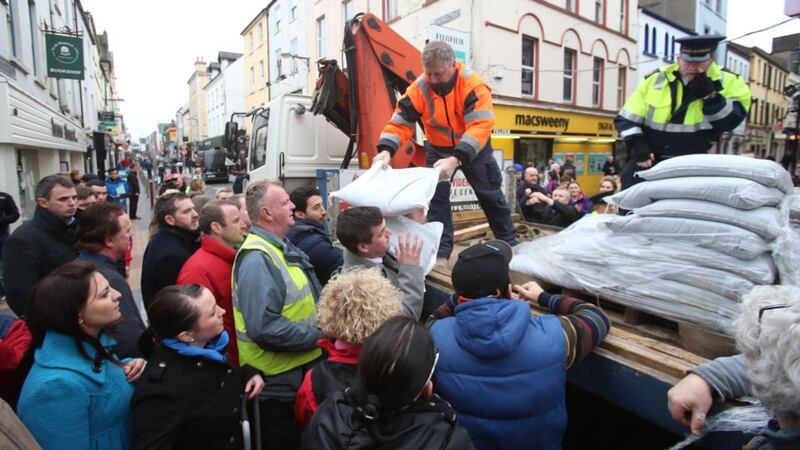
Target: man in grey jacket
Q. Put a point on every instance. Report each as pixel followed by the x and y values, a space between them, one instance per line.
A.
pixel 365 237
pixel 275 293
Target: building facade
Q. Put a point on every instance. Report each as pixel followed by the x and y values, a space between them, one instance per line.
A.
pixel 657 35
pixel 289 59
pixel 255 65
pixel 224 96
pixel 767 80
pixel 49 125
pixel 198 110
pixel 559 71
pixel 702 16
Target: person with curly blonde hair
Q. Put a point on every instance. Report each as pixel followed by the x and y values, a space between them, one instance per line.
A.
pixel 353 304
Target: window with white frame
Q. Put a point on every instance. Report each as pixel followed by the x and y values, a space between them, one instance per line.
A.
pixel 277 14
pixel 528 66
pixel 293 51
pixel 623 16
pixel 261 70
pixel 11 26
pixel 34 38
pixel 260 34
pixel 569 75
pixel 321 50
pixel 250 39
pixel 252 79
pixel 571 5
pixel 389 10
pixel 278 63
pixel 597 82
pixel 348 9
pixel 622 79
pixel 293 11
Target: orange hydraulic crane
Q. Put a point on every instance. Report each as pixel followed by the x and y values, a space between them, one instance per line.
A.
pixel 380 65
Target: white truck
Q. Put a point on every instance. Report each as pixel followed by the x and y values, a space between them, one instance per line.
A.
pixel 289 144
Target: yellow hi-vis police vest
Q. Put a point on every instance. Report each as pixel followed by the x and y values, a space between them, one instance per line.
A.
pixel 298 307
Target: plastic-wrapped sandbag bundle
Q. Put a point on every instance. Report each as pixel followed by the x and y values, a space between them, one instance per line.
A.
pixel 704 229
pixel 397 192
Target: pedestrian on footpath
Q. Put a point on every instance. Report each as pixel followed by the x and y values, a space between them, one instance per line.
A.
pixel 275 293
pixel 211 265
pixel 103 234
pixel 41 244
pixel 175 238
pixel 133 183
pixel 454 105
pixel 8 215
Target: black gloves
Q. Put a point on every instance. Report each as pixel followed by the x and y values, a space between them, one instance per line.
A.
pixel 641 150
pixel 700 86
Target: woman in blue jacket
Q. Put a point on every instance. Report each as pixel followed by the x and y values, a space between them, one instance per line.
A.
pixel 77 394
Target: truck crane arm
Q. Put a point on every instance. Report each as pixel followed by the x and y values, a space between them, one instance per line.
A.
pixel 380 64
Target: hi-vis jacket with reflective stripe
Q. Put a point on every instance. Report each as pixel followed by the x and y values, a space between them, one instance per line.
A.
pixel 656 112
pixel 274 305
pixel 460 122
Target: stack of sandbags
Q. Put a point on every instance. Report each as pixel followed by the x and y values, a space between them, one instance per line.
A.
pixel 704 229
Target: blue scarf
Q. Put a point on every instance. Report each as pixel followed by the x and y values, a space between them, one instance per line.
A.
pixel 214 350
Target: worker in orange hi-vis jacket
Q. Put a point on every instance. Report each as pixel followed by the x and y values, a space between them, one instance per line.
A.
pixel 454 105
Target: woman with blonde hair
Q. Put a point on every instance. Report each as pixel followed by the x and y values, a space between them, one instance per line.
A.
pixel 352 305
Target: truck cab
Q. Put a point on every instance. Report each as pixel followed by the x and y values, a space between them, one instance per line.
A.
pixel 289 144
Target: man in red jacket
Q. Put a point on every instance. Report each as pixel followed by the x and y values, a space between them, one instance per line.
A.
pixel 211 265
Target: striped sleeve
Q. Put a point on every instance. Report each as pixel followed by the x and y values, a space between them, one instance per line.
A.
pixel 585 325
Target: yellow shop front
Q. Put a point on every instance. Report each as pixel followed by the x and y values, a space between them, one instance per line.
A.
pixel 532 136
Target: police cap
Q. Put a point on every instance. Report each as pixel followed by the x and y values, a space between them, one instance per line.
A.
pixel 698 48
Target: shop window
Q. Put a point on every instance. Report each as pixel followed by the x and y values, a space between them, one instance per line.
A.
pixel 529 66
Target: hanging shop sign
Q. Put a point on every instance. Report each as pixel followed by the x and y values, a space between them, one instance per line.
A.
pixel 64 56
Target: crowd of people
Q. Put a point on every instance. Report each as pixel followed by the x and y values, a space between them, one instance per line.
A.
pixel 557 199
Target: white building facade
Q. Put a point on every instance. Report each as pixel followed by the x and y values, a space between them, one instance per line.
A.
pixel 657 35
pixel 737 60
pixel 287 22
pixel 47 124
pixel 224 93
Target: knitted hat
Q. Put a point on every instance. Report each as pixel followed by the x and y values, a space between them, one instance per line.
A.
pixel 355 303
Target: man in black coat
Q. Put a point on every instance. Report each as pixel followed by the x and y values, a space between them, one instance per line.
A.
pixel 102 236
pixel 8 215
pixel 41 244
pixel 175 241
pixel 310 235
pixel 559 212
pixel 532 211
pixel 133 183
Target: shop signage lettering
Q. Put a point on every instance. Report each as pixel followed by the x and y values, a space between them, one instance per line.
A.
pixel 64 56
pixel 542 121
pixel 63 131
pixel 605 126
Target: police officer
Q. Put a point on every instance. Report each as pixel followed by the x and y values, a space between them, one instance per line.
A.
pixel 682 108
pixel 454 105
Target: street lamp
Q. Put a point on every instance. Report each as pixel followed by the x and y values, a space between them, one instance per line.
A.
pixel 293 56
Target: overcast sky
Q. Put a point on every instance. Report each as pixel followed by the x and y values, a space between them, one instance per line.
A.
pixel 155 44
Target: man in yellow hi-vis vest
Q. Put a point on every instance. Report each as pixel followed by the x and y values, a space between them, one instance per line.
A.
pixel 275 293
pixel 682 108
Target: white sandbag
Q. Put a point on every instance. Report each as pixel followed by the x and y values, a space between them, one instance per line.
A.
pixel 430 233
pixel 394 191
pixel 765 221
pixel 786 248
pixel 768 173
pixel 735 192
pixel 728 239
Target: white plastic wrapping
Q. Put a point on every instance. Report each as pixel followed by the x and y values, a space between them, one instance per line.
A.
pixel 394 191
pixel 765 221
pixel 724 238
pixel 734 192
pixel 750 419
pixel 765 172
pixel 430 233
